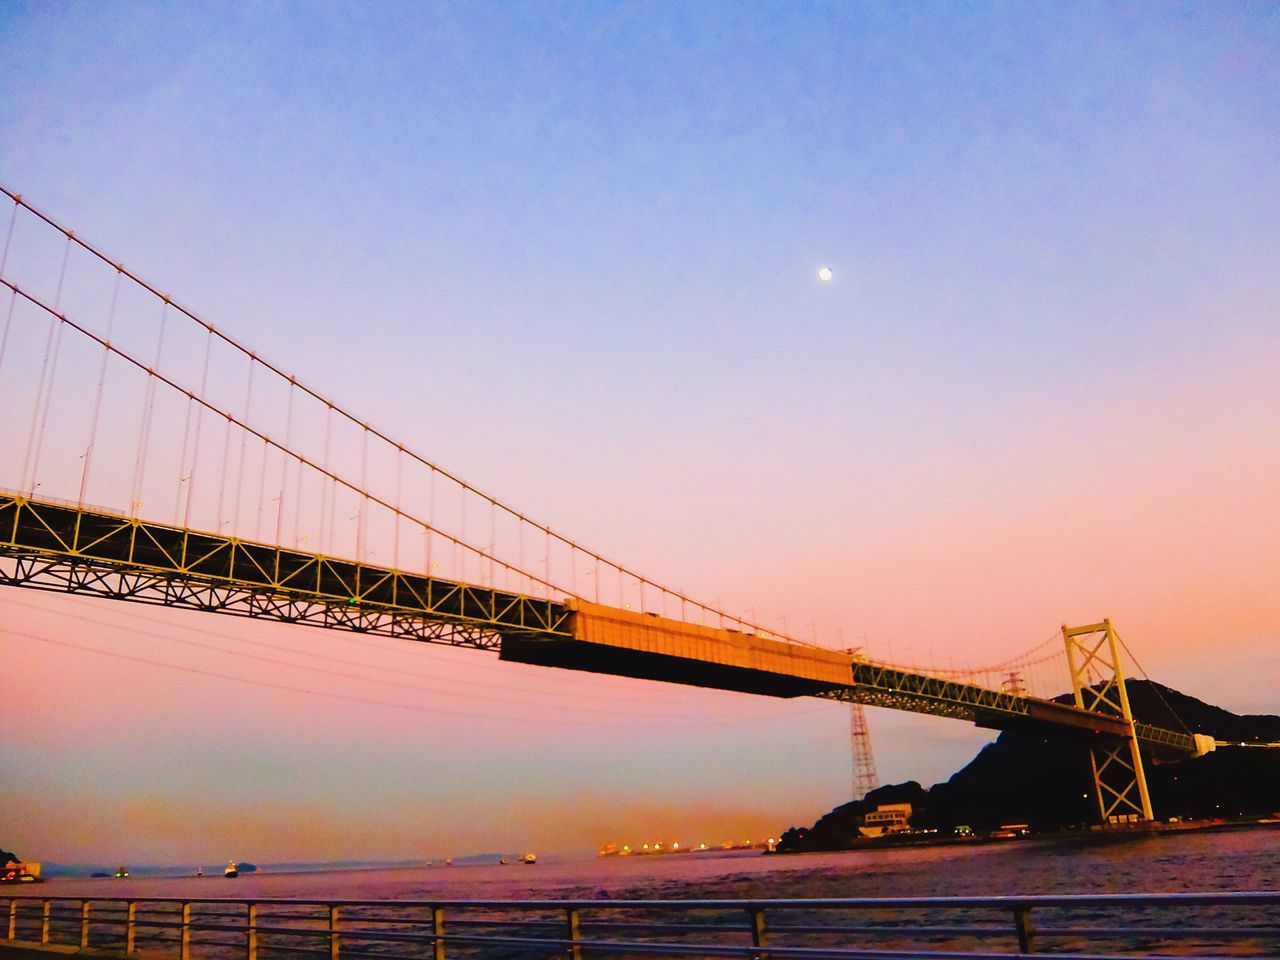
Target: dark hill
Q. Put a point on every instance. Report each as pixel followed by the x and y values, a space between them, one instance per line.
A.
pixel 1028 778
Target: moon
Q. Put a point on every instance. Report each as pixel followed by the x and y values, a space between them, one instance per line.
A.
pixel 825 274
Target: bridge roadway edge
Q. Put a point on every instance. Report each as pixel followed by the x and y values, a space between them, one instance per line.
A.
pixel 66 547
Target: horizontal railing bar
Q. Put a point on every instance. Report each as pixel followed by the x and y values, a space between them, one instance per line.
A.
pixel 353 930
pixel 1230 898
pixel 1164 933
pixel 643 925
pixel 283 948
pixel 1005 931
pixel 355 920
pixel 712 950
pixel 726 950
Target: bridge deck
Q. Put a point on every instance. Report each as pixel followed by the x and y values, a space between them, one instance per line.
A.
pixel 74 549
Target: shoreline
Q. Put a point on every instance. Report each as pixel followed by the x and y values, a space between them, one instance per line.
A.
pixel 1117 833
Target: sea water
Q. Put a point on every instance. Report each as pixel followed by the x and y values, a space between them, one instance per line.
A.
pixel 1169 863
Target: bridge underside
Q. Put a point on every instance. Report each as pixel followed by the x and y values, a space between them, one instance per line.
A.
pixel 65 548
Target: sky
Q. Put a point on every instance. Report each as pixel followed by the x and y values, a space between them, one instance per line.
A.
pixel 569 252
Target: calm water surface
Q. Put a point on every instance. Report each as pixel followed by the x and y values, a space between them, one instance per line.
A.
pixel 1241 860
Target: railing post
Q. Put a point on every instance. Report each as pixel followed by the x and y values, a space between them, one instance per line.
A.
pixel 251 934
pixel 84 924
pixel 44 922
pixel 1026 929
pixel 185 953
pixel 573 931
pixel 131 928
pixel 13 919
pixel 759 929
pixel 437 932
pixel 335 938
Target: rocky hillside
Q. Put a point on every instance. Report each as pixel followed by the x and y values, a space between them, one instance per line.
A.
pixel 1024 778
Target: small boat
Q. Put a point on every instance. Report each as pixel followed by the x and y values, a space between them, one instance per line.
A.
pixel 121 873
pixel 504 861
pixel 529 858
pixel 199 871
pixel 231 872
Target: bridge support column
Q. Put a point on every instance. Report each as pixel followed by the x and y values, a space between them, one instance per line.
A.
pixel 1097 680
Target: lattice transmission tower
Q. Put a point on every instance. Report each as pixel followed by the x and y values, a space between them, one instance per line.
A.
pixel 864 762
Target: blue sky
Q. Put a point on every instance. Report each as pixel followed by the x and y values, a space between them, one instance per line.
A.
pixel 568 250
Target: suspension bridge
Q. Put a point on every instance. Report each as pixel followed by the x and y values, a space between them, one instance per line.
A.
pixel 250 493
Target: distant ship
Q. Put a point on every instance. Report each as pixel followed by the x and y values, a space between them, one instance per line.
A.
pixel 231 871
pixel 121 873
pixel 504 861
pixel 199 871
pixel 529 858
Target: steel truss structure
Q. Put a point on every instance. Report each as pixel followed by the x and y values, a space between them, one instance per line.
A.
pixel 70 549
pixel 865 778
pixel 878 685
pixel 1119 779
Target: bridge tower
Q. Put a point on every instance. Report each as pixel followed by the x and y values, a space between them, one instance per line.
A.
pixel 1093 651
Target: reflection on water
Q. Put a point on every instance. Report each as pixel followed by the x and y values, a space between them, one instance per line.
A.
pixel 1244 860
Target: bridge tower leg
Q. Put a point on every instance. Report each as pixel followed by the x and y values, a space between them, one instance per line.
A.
pixel 1118 776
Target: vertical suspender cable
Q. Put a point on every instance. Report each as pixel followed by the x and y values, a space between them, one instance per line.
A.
pixel 195 451
pixel 363 507
pixel 546 561
pixel 395 548
pixel 97 401
pixel 244 442
pixel 8 237
pixel 431 519
pixel 297 505
pixel 284 469
pixel 184 475
pixel 148 408
pixel 459 555
pixel 328 491
pixel 36 438
pixel 48 402
pixel 8 322
pixel 222 472
pixel 184 472
pixel 262 490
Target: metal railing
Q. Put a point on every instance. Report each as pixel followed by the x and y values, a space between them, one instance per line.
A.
pixel 1071 926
